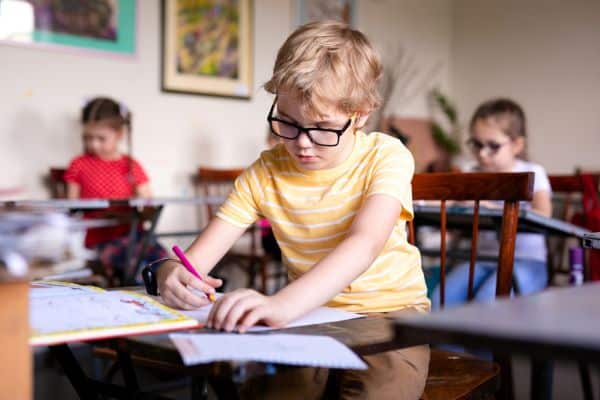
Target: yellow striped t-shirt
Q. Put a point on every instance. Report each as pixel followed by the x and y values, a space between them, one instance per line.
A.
pixel 311 212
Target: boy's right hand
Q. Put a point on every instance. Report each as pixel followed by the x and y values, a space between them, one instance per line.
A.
pixel 174 283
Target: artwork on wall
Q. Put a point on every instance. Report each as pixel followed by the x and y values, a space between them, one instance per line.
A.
pixel 96 25
pixel 207 47
pixel 319 10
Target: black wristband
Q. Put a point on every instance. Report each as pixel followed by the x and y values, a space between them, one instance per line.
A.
pixel 149 275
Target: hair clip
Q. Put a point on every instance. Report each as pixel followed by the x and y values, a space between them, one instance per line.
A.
pixel 123 110
pixel 86 101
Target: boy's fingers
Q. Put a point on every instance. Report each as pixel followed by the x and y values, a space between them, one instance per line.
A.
pixel 238 310
pixel 251 318
pixel 188 297
pixel 214 282
pixel 174 302
pixel 190 280
pixel 211 314
pixel 221 312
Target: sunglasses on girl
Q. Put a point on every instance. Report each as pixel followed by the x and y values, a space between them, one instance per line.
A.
pixel 477 145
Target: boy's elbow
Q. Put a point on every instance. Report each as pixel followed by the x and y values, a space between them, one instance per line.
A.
pixel 371 245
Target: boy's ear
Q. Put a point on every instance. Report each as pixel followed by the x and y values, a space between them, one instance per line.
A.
pixel 361 119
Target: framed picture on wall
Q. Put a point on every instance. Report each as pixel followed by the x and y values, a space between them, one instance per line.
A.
pixel 207 47
pixel 99 25
pixel 319 10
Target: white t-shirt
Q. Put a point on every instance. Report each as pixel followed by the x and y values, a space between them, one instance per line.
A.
pixel 528 246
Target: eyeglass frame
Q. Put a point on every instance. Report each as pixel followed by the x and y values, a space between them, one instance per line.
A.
pixel 477 145
pixel 300 129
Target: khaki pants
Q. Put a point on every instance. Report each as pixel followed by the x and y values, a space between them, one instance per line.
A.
pixel 398 374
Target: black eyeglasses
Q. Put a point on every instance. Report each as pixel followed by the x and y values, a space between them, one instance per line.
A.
pixel 290 130
pixel 477 145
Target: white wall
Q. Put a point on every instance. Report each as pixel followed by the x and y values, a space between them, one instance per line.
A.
pixel 41 92
pixel 546 55
pixel 423 29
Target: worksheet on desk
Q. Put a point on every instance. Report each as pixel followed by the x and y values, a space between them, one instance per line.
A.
pixel 319 315
pixel 305 350
pixel 62 312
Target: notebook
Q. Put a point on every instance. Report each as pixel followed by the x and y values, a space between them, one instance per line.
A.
pixel 62 312
pixel 305 350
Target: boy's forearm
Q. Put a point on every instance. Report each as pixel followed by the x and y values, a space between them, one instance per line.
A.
pixel 212 244
pixel 330 276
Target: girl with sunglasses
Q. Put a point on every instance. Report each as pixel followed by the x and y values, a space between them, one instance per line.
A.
pixel 498 141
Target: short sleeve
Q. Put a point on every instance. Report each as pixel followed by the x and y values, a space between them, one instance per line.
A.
pixel 241 207
pixel 73 172
pixel 540 180
pixel 139 175
pixel 391 174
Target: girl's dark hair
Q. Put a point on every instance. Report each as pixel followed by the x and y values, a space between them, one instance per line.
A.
pixel 509 116
pixel 114 114
pixel 106 111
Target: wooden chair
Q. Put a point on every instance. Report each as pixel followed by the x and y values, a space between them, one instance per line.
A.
pixel 454 375
pixel 56 183
pixel 567 193
pixel 216 182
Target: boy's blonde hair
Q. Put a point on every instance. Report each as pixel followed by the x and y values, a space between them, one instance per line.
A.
pixel 328 62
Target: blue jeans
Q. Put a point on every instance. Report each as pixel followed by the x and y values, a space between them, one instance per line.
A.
pixel 531 276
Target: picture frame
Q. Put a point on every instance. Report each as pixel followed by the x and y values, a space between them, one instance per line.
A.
pixel 207 47
pixel 101 26
pixel 319 10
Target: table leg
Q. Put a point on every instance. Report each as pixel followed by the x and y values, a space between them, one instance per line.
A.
pixel 507 391
pixel 541 379
pixel 127 370
pixel 73 370
pixel 88 388
pixel 586 381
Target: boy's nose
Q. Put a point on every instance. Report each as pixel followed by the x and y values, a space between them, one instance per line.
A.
pixel 303 140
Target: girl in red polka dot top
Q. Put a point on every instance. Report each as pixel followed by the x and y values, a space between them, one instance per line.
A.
pixel 104 172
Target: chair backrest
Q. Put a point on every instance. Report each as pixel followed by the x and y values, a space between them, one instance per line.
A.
pixel 56 183
pixel 567 188
pixel 511 188
pixel 213 182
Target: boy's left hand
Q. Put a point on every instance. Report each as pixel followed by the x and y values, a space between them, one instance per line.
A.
pixel 243 308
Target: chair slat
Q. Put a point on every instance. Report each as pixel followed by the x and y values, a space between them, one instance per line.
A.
pixel 506 257
pixel 474 237
pixel 443 253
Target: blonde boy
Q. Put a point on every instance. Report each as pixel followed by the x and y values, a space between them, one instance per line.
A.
pixel 337 200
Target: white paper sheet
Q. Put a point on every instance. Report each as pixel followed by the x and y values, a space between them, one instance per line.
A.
pixel 320 315
pixel 305 350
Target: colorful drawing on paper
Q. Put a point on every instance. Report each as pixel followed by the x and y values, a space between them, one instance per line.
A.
pixel 208 38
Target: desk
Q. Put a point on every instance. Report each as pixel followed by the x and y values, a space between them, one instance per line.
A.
pixel 592 240
pixel 559 323
pixel 490 218
pixel 138 208
pixel 365 336
pixel 58 204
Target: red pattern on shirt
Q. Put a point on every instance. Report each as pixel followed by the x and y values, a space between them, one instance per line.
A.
pixel 105 179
